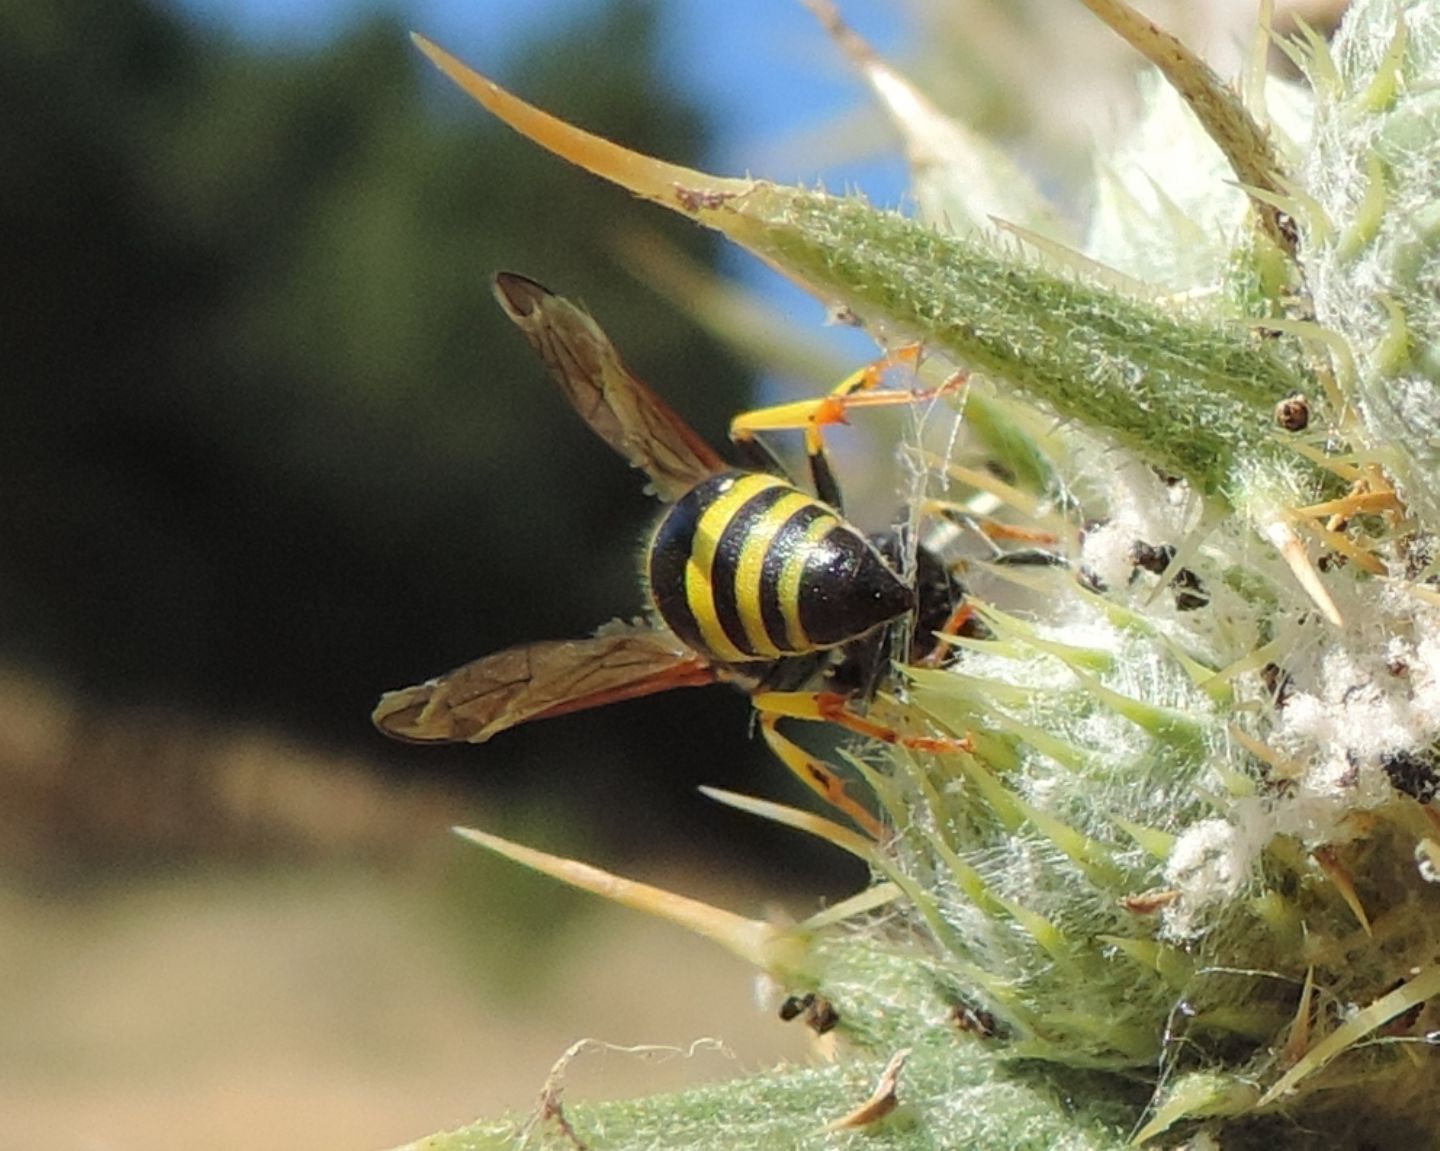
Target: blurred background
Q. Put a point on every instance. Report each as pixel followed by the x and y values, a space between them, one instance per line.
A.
pixel 268 448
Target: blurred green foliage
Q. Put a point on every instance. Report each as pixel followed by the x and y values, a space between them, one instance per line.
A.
pixel 269 448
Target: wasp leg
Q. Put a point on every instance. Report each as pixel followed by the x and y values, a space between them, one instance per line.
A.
pixel 991 530
pixel 858 390
pixel 965 621
pixel 833 707
pixel 995 530
pixel 815 774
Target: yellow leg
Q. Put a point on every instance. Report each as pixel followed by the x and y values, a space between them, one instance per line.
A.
pixel 816 774
pixel 860 389
pixel 833 707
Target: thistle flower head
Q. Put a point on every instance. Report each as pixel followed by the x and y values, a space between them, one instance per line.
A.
pixel 1173 839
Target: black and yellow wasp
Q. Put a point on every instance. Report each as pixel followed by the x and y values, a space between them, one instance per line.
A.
pixel 751 580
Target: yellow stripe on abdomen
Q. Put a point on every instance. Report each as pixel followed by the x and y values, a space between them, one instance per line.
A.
pixel 700 568
pixel 789 587
pixel 747 572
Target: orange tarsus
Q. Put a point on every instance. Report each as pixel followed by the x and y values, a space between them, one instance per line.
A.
pixel 835 708
pixel 995 530
pixel 958 619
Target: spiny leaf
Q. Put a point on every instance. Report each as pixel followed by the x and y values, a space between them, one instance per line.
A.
pixel 1191 395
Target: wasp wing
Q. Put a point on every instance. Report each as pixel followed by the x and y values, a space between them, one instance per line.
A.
pixel 537 680
pixel 620 409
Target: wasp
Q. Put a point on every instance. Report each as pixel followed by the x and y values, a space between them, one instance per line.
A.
pixel 750 579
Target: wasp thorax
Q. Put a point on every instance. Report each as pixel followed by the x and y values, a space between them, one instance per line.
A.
pixel 745 567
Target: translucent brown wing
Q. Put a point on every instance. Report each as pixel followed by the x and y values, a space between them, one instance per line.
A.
pixel 537 680
pixel 620 409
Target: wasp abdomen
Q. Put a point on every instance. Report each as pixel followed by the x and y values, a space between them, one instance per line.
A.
pixel 746 567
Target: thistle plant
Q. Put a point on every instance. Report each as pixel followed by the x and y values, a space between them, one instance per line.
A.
pixel 1172 879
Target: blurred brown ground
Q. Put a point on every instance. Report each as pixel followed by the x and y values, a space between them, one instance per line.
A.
pixel 353 983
